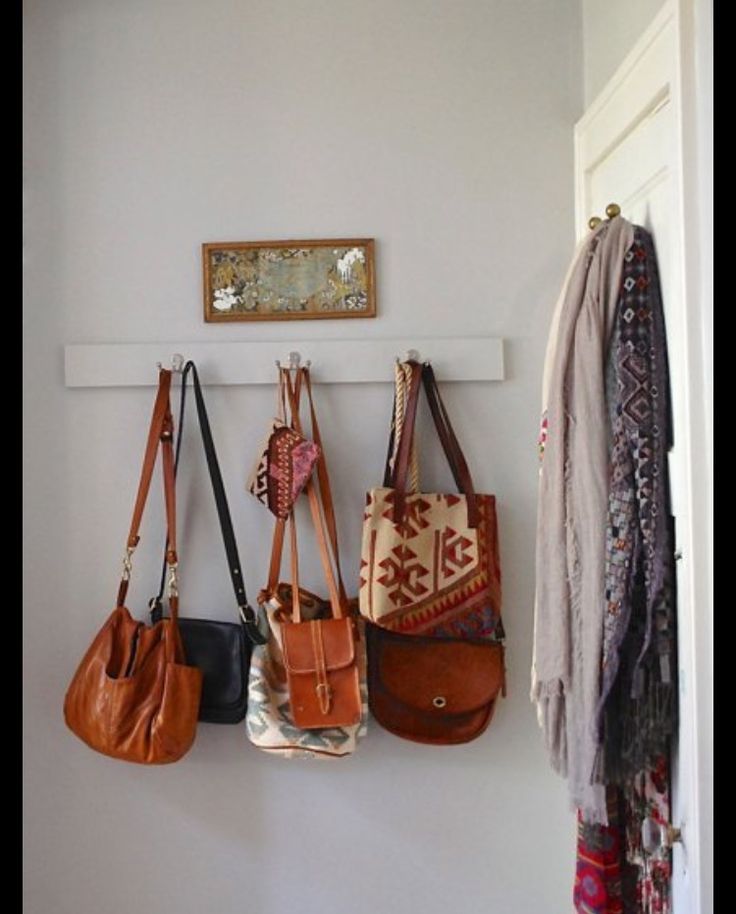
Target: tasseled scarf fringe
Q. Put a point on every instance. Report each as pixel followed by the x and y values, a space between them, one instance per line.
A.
pixel 633 741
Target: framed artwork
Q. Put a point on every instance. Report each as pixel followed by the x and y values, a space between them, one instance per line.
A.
pixel 289 280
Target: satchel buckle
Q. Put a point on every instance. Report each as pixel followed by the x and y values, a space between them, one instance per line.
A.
pixel 324 696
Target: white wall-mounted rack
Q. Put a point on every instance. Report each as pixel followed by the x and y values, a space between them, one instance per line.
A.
pixel 333 361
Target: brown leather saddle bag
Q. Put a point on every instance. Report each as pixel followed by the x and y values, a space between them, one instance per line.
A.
pixel 433 690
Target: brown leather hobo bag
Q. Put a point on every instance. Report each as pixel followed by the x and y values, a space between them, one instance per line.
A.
pixel 133 697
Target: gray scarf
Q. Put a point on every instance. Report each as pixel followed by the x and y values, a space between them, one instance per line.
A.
pixel 572 514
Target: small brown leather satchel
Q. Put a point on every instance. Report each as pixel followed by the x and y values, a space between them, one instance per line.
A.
pixel 321 669
pixel 433 690
pixel 133 697
pixel 320 659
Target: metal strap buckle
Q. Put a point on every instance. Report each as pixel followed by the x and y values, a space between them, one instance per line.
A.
pixel 247 614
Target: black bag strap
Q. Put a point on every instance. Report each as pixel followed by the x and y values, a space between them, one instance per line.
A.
pixel 247 614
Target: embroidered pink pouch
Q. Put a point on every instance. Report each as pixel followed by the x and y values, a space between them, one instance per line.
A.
pixel 283 467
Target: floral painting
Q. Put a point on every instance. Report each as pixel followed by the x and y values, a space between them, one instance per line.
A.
pixel 281 280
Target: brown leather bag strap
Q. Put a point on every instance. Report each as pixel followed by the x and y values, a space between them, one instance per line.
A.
pixel 296 609
pixel 279 530
pixel 390 466
pixel 325 489
pixel 281 398
pixel 448 439
pixel 296 603
pixel 277 544
pixel 161 433
pixel 277 550
pixel 450 444
pixel 161 408
pixel 338 601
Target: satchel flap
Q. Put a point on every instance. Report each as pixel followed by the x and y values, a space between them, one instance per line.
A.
pixel 299 645
pixel 439 676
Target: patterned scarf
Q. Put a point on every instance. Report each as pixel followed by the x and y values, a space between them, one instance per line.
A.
pixel 637 710
pixel 637 706
pixel 614 874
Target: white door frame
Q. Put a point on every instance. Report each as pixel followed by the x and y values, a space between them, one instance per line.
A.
pixel 671 64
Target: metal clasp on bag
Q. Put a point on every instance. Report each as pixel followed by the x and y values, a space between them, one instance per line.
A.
pixel 172 582
pixel 127 563
pixel 248 614
pixel 249 618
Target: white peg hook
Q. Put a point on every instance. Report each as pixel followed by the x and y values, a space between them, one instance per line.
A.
pixel 177 363
pixel 294 361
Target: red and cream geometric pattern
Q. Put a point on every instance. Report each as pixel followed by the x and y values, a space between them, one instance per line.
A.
pixel 431 574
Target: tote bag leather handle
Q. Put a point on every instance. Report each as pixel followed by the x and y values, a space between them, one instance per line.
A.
pixel 423 375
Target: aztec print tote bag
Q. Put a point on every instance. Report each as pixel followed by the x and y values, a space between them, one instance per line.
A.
pixel 431 587
pixel 429 560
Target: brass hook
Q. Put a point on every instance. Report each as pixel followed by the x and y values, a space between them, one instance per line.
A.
pixel 612 210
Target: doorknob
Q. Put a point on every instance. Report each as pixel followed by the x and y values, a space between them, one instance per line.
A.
pixel 657 837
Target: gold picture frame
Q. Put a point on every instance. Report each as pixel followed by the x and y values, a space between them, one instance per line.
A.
pixel 289 280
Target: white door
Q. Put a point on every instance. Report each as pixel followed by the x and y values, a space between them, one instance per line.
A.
pixel 630 148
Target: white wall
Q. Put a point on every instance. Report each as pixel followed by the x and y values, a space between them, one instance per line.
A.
pixel 154 126
pixel 610 30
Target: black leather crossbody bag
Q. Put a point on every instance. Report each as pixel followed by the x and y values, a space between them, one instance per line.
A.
pixel 221 650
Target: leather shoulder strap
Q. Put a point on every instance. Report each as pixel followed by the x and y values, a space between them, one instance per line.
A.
pixel 160 434
pixel 450 444
pixel 388 470
pixel 160 418
pixel 338 600
pixel 325 489
pixel 247 615
pixel 424 375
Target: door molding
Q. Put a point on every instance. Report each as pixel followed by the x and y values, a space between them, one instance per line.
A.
pixel 669 65
pixel 640 86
